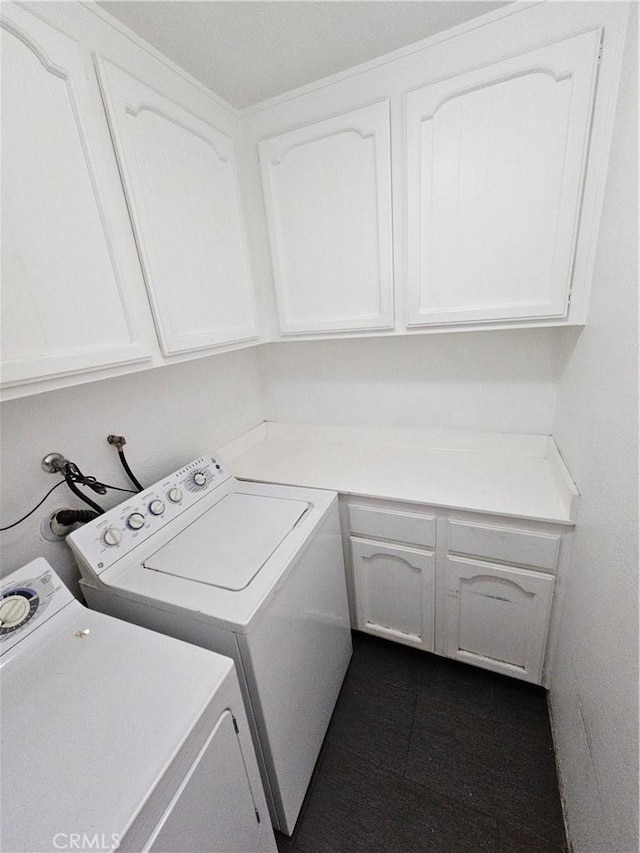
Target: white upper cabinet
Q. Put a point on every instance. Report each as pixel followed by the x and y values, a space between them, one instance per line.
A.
pixel 470 182
pixel 180 179
pixel 327 190
pixel 64 267
pixel 495 163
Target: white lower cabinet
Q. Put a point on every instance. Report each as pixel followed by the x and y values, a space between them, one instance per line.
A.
pixel 471 587
pixel 497 616
pixel 394 591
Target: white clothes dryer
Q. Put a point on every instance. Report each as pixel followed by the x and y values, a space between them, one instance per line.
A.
pixel 252 571
pixel 114 737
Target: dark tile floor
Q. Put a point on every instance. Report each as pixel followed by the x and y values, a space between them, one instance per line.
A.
pixel 426 754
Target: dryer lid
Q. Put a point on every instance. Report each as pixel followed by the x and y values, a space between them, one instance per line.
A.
pixel 228 544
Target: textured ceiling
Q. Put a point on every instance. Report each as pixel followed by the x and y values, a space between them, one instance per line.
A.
pixel 247 52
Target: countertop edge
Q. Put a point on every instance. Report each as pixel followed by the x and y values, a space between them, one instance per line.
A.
pixel 567 491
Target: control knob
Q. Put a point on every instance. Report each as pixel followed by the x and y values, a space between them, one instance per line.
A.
pixel 112 536
pixel 156 507
pixel 175 495
pixel 199 478
pixel 13 611
pixel 135 521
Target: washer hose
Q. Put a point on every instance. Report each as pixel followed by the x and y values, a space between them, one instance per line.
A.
pixel 119 441
pixel 76 491
pixel 67 517
pixel 130 473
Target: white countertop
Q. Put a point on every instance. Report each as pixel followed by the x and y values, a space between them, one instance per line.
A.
pixel 504 474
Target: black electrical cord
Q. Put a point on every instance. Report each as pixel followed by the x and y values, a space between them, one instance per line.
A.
pixel 73 475
pixel 130 473
pixel 24 517
pixel 76 491
pixel 76 475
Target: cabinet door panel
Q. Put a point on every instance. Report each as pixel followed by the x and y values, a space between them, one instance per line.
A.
pixel 497 617
pixel 63 302
pixel 328 196
pixel 496 160
pixel 181 183
pixel 394 591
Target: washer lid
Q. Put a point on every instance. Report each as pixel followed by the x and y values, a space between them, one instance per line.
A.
pixel 228 544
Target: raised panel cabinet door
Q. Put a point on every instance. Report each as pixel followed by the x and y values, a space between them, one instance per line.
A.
pixel 394 588
pixel 327 190
pixel 181 183
pixel 497 617
pixel 495 169
pixel 64 268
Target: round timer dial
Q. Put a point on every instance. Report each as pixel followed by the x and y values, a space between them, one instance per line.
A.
pixel 17 606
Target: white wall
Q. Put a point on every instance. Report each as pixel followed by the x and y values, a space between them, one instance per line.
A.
pixel 168 416
pixel 594 686
pixel 470 380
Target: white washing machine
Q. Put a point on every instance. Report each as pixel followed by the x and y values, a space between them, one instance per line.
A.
pixel 114 737
pixel 252 571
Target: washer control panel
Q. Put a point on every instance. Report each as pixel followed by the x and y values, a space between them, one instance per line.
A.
pixel 106 539
pixel 26 597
